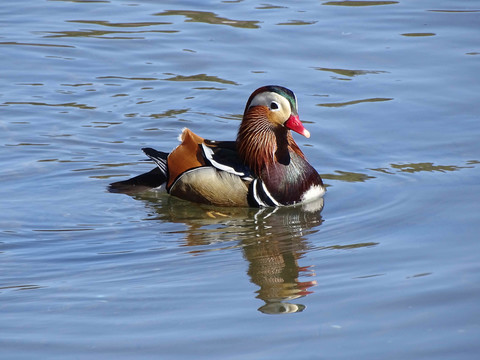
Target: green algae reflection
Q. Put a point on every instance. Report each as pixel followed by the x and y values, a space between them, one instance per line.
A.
pixel 359 3
pixel 210 18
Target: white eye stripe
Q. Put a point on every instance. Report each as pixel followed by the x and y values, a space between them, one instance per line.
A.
pixel 268 98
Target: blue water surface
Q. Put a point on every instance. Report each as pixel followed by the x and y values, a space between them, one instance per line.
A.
pixel 388 269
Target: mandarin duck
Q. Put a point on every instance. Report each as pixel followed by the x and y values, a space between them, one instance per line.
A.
pixel 263 167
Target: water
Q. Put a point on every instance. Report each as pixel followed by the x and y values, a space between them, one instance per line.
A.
pixel 388 269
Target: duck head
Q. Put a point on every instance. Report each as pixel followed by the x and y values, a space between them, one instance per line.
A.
pixel 264 136
pixel 279 105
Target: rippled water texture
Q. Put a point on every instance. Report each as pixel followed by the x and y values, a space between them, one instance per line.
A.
pixel 388 269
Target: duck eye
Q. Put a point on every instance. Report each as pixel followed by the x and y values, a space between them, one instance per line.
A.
pixel 274 106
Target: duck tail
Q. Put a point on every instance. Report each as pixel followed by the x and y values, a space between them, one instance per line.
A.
pixel 147 181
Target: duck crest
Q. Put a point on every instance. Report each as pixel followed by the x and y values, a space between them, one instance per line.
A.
pixel 283 91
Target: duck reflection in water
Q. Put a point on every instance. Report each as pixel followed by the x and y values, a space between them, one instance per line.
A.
pixel 273 241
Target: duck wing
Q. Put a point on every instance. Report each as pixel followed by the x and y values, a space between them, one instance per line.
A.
pixel 223 156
